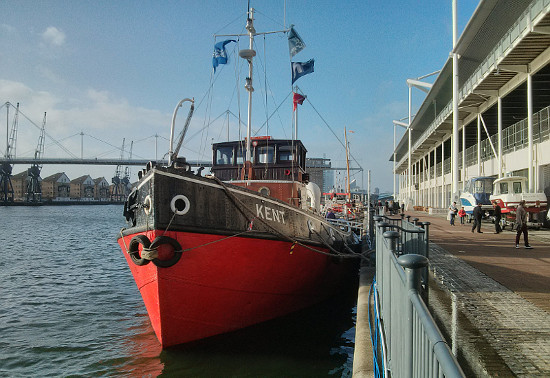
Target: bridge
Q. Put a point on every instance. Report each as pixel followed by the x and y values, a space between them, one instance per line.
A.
pixel 29 183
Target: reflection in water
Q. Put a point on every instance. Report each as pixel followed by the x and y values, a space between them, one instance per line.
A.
pixel 69 306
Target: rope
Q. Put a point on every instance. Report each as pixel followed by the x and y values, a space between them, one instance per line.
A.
pixel 281 235
pixel 187 249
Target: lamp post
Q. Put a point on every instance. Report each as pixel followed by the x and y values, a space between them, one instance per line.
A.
pixel 425 87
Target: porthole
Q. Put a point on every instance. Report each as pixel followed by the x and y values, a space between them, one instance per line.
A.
pixel 264 190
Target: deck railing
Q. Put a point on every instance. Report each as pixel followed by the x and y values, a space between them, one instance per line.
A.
pixel 412 342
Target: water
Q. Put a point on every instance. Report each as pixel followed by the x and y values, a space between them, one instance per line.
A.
pixel 69 307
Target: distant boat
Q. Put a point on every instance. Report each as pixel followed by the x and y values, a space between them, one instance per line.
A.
pixel 509 191
pixel 477 191
pixel 243 245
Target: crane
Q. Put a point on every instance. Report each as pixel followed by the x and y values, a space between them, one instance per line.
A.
pixel 126 180
pixel 6 187
pixel 118 194
pixel 34 186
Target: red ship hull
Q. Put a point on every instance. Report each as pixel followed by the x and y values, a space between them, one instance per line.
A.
pixel 222 283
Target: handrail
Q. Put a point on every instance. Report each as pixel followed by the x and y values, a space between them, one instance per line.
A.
pixel 414 345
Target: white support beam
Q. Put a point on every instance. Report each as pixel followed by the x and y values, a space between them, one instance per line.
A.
pixel 486 92
pixel 488 136
pixel 542 29
pixel 463 156
pixel 454 140
pixel 425 87
pixel 478 145
pixel 499 125
pixel 517 68
pixel 530 131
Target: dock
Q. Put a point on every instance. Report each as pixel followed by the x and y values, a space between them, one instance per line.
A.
pixel 491 300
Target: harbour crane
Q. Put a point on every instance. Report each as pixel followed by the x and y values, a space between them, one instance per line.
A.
pixel 126 180
pixel 6 187
pixel 118 193
pixel 34 185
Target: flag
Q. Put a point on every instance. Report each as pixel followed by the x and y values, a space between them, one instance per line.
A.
pixel 220 56
pixel 295 43
pixel 297 99
pixel 300 69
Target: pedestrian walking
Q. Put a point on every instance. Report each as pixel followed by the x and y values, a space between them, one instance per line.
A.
pixel 498 216
pixel 521 224
pixel 453 210
pixel 462 215
pixel 478 214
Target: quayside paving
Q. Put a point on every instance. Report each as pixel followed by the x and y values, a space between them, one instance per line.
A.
pixel 501 292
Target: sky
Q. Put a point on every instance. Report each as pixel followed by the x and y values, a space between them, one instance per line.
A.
pixel 115 70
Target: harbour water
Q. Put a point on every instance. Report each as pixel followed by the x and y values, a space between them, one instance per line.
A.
pixel 69 307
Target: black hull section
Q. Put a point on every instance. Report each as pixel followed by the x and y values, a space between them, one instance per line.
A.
pixel 177 200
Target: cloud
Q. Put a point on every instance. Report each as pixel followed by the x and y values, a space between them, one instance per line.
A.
pixel 53 36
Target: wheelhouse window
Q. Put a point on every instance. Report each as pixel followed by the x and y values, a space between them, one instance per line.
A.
pixel 285 153
pixel 517 187
pixel 266 154
pixel 483 185
pixel 240 156
pixel 503 188
pixel 224 155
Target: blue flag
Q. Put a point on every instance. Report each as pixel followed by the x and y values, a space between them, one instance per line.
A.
pixel 295 43
pixel 220 56
pixel 300 69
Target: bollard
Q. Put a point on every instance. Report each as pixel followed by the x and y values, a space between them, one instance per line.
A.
pixel 413 265
pixel 426 227
pixel 392 236
pixel 415 221
pixel 371 225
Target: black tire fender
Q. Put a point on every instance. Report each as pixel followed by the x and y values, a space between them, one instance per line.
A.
pixel 159 240
pixel 134 249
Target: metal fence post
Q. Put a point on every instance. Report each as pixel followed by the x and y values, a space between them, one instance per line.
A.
pixel 413 265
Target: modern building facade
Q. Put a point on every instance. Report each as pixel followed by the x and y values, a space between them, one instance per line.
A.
pixel 487 112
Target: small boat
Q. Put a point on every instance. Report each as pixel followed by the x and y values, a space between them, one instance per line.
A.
pixel 477 190
pixel 509 191
pixel 245 244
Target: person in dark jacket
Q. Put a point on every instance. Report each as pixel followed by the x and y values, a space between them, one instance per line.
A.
pixel 330 214
pixel 478 214
pixel 521 224
pixel 498 216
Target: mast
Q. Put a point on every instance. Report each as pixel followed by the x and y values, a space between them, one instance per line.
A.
pixel 248 54
pixel 347 161
pixel 295 119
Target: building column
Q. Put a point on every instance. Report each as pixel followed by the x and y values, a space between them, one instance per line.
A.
pixel 530 130
pixel 443 174
pixel 429 179
pixel 499 125
pixel 478 145
pixel 454 140
pixel 463 157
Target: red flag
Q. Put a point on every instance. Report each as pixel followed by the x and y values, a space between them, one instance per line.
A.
pixel 297 99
